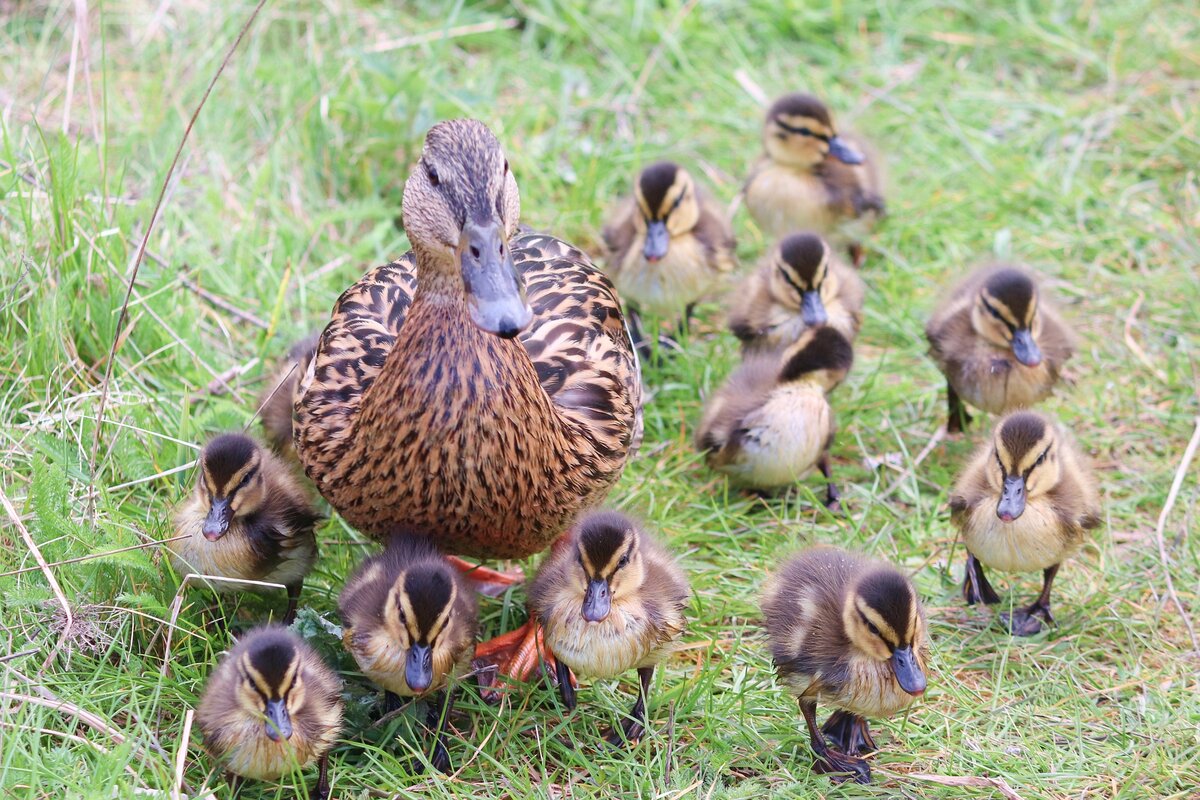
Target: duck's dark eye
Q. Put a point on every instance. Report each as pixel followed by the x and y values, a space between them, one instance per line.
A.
pixel 506 166
pixel 871 627
pixel 431 171
pixel 624 562
pixel 804 132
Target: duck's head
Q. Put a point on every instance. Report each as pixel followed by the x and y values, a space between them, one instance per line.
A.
pixel 609 561
pixel 1024 462
pixel 1005 313
pixel 231 481
pixel 666 204
pixel 800 276
pixel 461 207
pixel 418 614
pixel 882 619
pixel 821 355
pixel 799 132
pixel 270 683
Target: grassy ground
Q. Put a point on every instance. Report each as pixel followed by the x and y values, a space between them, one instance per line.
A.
pixel 1065 136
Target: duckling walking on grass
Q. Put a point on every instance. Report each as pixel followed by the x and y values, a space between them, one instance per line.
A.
pixel 270 707
pixel 849 632
pixel 610 599
pixel 668 246
pixel 1024 503
pixel 770 423
pixel 248 519
pixel 999 342
pixel 801 286
pixel 410 621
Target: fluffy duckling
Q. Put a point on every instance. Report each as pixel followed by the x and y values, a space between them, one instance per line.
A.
pixel 771 423
pixel 248 519
pixel 669 245
pixel 802 285
pixel 810 178
pixel 1022 504
pixel 275 402
pixel 1000 344
pixel 271 706
pixel 609 600
pixel 410 621
pixel 849 632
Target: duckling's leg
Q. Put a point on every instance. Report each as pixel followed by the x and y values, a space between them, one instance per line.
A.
pixel 488 582
pixel 861 742
pixel 1028 621
pixel 322 790
pixel 828 759
pixel 293 593
pixel 959 418
pixel 833 497
pixel 976 588
pixel 634 726
pixel 438 720
pixel 517 654
pixel 565 690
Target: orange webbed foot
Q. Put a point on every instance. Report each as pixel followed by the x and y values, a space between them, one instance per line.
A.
pixel 518 655
pixel 487 581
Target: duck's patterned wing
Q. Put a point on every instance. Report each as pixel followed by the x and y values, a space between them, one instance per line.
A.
pixel 579 344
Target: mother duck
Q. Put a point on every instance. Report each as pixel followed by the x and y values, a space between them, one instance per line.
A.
pixel 483 387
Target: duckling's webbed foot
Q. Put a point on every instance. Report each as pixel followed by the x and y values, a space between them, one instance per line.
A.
pixel 958 418
pixel 487 581
pixel 849 733
pixel 829 760
pixel 1028 621
pixel 631 729
pixel 976 588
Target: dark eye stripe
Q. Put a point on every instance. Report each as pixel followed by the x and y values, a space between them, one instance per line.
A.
pixel 791 282
pixel 802 131
pixel 991 310
pixel 245 480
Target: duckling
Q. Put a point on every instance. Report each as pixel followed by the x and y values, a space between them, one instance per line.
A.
pixel 1023 503
pixel 668 246
pixel 611 599
pixel 802 285
pixel 770 423
pixel 809 177
pixel 849 632
pixel 247 519
pixel 275 402
pixel 999 342
pixel 410 621
pixel 271 706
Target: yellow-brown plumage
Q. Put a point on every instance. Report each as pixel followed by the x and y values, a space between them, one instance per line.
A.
pixel 465 410
pixel 849 632
pixel 270 707
pixel 801 285
pixel 811 177
pixel 609 599
pixel 999 342
pixel 1024 503
pixel 247 519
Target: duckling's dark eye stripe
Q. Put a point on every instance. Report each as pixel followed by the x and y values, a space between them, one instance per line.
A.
pixel 245 479
pixel 802 131
pixel 1038 460
pixel 1003 471
pixel 789 280
pixel 992 310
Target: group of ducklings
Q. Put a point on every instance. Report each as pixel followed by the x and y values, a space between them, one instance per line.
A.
pixel 609 598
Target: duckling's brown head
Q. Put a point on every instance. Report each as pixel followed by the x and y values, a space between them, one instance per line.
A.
pixel 231 481
pixel 1025 462
pixel 799 132
pixel 609 563
pixel 666 203
pixel 461 207
pixel 270 680
pixel 821 355
pixel 883 621
pixel 1005 313
pixel 800 276
pixel 418 616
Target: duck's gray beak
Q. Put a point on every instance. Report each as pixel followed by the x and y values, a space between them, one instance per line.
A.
pixel 418 668
pixel 216 523
pixel 495 291
pixel 812 310
pixel 658 240
pixel 1025 348
pixel 597 600
pixel 279 723
pixel 1012 499
pixel 841 150
pixel 907 671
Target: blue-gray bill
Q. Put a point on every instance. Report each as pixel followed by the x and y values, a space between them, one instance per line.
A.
pixel 494 289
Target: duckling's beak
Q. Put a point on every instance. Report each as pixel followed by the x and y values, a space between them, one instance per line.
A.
pixel 1025 348
pixel 1012 499
pixel 842 151
pixel 216 524
pixel 495 291
pixel 418 669
pixel 657 241
pixel 597 601
pixel 812 310
pixel 279 723
pixel 907 671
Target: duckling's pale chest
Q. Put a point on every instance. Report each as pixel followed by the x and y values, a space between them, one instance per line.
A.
pixel 784 200
pixel 1033 541
pixel 783 439
pixel 622 641
pixel 665 287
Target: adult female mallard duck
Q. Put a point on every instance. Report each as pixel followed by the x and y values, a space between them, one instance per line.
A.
pixel 668 246
pixel 409 619
pixel 802 285
pixel 999 342
pixel 1024 503
pixel 483 387
pixel 812 178
pixel 248 519
pixel 270 707
pixel 610 599
pixel 770 423
pixel 849 632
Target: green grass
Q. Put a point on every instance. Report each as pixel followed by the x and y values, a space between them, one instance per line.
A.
pixel 1064 135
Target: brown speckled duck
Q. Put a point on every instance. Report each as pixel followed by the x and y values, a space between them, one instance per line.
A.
pixel 483 386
